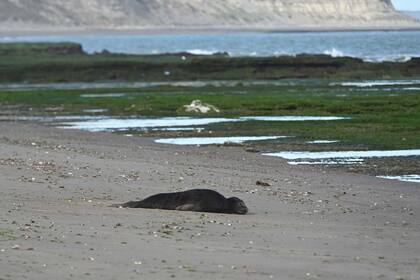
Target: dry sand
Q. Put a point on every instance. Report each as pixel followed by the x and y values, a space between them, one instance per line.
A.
pixel 55 223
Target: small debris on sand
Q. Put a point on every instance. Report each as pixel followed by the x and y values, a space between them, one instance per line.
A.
pixel 263 184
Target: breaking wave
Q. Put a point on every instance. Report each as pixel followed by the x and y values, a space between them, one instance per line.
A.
pixel 201 52
pixel 335 53
pixel 369 58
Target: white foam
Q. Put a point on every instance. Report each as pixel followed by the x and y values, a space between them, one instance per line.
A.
pixel 215 140
pixel 334 53
pixel 294 118
pixel 344 154
pixel 104 95
pixel 405 178
pixel 323 142
pixel 201 52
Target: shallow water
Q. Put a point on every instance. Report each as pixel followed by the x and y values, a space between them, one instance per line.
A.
pixel 323 142
pixel 215 140
pixel 95 111
pixel 414 178
pixel 373 83
pixel 344 154
pixel 51 118
pixel 350 161
pixel 117 85
pixel 411 88
pixel 294 118
pixel 111 124
pixel 103 95
pixel 198 129
pixel 364 85
pixel 371 46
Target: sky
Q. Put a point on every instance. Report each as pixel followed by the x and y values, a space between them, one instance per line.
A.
pixel 407 5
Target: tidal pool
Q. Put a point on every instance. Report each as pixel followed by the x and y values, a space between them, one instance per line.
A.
pixel 411 88
pixel 294 118
pixel 95 111
pixel 350 161
pixel 414 178
pixel 103 95
pixel 374 83
pixel 121 124
pixel 344 154
pixel 50 118
pixel 215 140
pixel 113 124
pixel 323 142
pixel 198 129
pixel 118 85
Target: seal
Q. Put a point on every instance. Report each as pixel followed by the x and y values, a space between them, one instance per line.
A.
pixel 198 200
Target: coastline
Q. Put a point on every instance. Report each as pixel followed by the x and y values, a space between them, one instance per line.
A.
pixel 76 65
pixel 193 30
pixel 309 224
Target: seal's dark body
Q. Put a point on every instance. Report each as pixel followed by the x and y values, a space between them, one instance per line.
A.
pixel 200 200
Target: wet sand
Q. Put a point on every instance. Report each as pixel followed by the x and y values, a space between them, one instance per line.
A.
pixel 305 223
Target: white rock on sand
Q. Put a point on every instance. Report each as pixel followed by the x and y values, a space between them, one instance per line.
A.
pixel 197 106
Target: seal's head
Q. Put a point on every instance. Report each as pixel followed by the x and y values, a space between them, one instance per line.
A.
pixel 237 206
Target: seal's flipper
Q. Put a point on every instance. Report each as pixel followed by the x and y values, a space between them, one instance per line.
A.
pixel 185 207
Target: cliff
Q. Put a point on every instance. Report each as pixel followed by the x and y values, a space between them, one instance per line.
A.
pixel 138 14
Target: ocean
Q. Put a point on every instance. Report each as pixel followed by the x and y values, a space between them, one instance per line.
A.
pixel 368 45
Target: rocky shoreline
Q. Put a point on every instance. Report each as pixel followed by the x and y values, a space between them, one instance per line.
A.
pixel 67 62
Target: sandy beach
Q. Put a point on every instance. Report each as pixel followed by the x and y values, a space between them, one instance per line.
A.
pixel 57 185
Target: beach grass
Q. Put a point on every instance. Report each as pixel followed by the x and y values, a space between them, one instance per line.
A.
pixel 6 234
